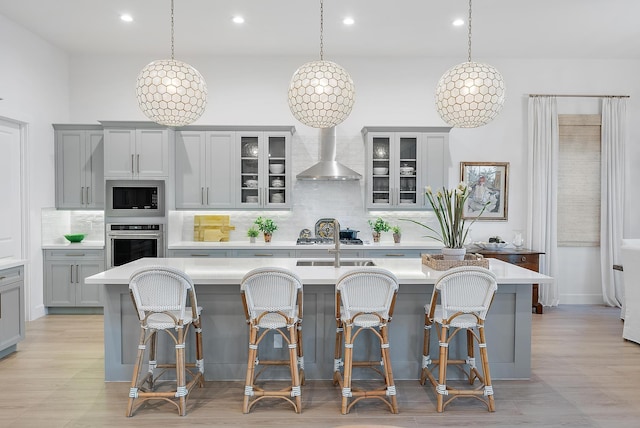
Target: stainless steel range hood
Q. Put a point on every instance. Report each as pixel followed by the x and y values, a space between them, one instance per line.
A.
pixel 327 167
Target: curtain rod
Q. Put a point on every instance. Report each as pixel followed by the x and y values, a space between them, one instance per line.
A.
pixel 579 96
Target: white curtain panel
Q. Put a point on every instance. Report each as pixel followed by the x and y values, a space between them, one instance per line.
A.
pixel 542 194
pixel 614 122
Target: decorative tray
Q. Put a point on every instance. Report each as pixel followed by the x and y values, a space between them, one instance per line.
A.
pixel 491 245
pixel 324 228
pixel 437 262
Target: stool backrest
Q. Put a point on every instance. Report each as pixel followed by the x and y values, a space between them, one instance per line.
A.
pixel 271 289
pixel 466 289
pixel 367 290
pixel 157 289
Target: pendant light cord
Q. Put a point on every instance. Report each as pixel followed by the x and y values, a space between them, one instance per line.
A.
pixel 172 30
pixel 469 59
pixel 321 30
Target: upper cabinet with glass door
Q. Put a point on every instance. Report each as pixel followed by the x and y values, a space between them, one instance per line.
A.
pixel 401 161
pixel 265 164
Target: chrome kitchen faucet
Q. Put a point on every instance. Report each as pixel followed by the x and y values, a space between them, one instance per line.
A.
pixel 336 242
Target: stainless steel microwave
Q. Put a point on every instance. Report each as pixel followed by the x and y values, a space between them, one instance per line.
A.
pixel 134 198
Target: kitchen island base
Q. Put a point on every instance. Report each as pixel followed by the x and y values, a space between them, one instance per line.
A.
pixel 508 330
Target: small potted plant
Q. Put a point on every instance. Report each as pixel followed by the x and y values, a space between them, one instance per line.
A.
pixel 378 227
pixel 267 227
pixel 252 233
pixel 396 234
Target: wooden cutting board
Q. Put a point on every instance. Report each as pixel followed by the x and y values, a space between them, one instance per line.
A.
pixel 212 228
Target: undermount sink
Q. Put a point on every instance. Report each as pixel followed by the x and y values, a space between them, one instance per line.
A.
pixel 330 263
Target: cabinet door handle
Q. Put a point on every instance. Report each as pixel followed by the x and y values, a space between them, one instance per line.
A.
pixel 77 274
pixel 88 195
pixel 74 255
pixel 207 195
pixel 523 259
pixel 82 195
pixel 138 163
pixel 394 255
pixel 263 255
pixel 132 171
pixel 202 196
pixel 199 255
pixel 71 272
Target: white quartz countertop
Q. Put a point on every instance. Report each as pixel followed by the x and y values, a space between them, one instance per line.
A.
pixel 66 245
pixel 229 271
pixel 9 263
pixel 291 245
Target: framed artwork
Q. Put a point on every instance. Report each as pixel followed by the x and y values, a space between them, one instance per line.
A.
pixel 488 185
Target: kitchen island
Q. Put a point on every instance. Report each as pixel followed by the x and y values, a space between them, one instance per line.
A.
pixel 225 332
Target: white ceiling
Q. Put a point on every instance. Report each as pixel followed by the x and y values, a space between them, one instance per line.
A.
pixel 501 28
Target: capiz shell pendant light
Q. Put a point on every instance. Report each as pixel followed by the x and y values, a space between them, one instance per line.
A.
pixel 321 93
pixel 470 94
pixel 171 92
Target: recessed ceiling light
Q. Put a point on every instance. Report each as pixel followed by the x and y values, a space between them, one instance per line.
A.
pixel 458 22
pixel 238 19
pixel 126 17
pixel 348 21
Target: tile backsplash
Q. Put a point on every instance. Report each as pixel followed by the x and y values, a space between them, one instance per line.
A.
pixel 57 223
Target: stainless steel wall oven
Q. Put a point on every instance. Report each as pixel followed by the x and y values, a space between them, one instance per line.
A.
pixel 128 242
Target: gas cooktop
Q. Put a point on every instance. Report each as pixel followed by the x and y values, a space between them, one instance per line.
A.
pixel 313 241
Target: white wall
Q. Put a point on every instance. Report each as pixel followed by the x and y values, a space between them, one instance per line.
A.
pixel 34 83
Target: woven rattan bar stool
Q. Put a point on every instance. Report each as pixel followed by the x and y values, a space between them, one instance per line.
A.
pixel 272 299
pixel 160 296
pixel 465 295
pixel 364 302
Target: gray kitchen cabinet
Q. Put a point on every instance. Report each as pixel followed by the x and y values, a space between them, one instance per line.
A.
pixel 64 274
pixel 136 150
pixel 318 253
pixel 401 162
pixel 199 253
pixel 264 169
pixel 11 309
pixel 264 252
pixel 205 169
pixel 404 253
pixel 79 157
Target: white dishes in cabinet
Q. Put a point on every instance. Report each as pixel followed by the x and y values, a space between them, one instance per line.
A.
pixel 253 184
pixel 277 183
pixel 251 199
pixel 276 168
pixel 380 170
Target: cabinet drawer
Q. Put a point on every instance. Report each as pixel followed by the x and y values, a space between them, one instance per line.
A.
pixel 265 253
pixel 11 275
pixel 199 253
pixel 73 255
pixel 527 261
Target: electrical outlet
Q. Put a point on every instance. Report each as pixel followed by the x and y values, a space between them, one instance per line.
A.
pixel 277 341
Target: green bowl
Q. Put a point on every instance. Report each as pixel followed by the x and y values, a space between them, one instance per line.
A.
pixel 76 237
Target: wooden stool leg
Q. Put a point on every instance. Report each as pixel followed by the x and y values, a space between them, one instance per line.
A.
pixel 199 353
pixel 293 366
pixel 348 368
pixel 388 372
pixel 300 353
pixel 484 356
pixel 441 388
pixel 181 390
pixel 426 355
pixel 251 362
pixel 471 360
pixel 133 390
pixel 337 353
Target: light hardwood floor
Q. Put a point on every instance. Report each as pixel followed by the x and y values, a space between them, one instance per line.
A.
pixel 584 375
